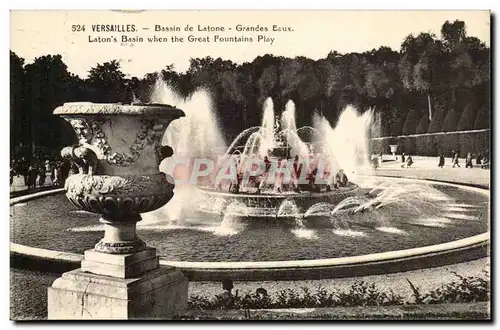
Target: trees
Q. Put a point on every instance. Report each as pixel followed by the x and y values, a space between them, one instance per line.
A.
pixel 47 86
pixel 428 73
pixel 453 33
pixel 419 65
pixel 19 114
pixel 108 82
pixel 466 60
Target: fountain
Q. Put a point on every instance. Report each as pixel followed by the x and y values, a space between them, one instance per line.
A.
pixel 213 232
pixel 118 155
pixel 276 163
pixel 208 228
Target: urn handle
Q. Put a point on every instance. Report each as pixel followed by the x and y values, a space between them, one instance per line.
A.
pixel 83 157
pixel 165 152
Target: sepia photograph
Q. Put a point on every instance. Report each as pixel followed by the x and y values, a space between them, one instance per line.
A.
pixel 190 165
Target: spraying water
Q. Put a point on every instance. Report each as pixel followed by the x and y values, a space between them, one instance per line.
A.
pixel 349 141
pixel 319 209
pixel 196 135
pixel 288 116
pixel 230 224
pixel 417 197
pixel 267 128
pixel 288 208
pixel 349 202
pixel 300 230
pixel 164 94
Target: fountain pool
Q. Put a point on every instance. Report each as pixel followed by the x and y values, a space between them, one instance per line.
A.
pixel 392 214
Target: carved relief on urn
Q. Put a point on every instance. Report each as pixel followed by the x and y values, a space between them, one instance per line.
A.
pixel 118 159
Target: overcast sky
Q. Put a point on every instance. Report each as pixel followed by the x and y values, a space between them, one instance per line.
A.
pixel 315 33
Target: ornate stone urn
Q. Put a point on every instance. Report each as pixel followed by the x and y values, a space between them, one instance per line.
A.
pixel 394 149
pixel 118 157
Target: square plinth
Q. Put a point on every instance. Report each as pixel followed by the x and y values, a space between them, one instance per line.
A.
pixel 157 294
pixel 120 265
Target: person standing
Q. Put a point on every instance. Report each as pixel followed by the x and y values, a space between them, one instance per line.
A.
pixel 32 173
pixel 409 161
pixel 478 158
pixel 455 159
pixel 41 175
pixel 468 160
pixel 49 176
pixel 56 174
pixel 23 169
pixel 441 161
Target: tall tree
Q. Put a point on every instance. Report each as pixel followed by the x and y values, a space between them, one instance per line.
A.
pixel 419 65
pixel 108 81
pixel 19 115
pixel 47 86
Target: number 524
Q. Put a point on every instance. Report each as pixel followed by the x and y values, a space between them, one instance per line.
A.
pixel 78 28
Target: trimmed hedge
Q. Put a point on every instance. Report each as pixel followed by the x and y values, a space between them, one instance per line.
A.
pixel 423 125
pixel 450 122
pixel 467 119
pixel 433 144
pixel 411 122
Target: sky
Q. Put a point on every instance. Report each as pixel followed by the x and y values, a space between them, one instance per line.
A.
pixel 314 35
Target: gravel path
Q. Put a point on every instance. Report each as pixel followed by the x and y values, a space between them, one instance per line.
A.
pixel 28 294
pixel 426 168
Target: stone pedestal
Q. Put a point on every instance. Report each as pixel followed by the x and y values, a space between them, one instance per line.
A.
pixel 118 286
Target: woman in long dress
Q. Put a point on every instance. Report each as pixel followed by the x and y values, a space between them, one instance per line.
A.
pixel 441 161
pixel 56 174
pixel 409 161
pixel 48 173
pixel 468 160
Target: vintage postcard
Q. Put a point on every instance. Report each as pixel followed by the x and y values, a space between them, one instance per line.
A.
pixel 250 165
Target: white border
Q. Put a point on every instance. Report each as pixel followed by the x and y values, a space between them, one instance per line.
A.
pixel 190 4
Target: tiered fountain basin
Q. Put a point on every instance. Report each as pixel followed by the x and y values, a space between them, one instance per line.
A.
pixel 268 252
pixel 269 205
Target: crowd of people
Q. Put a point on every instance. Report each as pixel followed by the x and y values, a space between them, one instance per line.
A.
pixel 481 159
pixel 40 172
